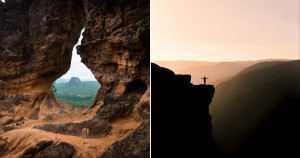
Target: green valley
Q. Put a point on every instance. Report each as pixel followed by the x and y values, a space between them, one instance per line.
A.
pixel 77 94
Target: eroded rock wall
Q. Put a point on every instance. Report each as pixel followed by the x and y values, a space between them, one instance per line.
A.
pixel 116 47
pixel 37 38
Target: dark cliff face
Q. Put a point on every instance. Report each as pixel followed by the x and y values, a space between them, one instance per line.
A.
pixel 180 114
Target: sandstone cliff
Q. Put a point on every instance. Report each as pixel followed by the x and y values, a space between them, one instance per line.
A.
pixel 37 38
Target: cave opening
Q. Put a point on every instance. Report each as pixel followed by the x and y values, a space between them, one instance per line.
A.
pixel 3 1
pixel 78 86
pixel 136 86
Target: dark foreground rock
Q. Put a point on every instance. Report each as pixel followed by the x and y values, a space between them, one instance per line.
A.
pixel 46 149
pixel 181 124
pixel 135 145
pixel 62 150
pixel 89 128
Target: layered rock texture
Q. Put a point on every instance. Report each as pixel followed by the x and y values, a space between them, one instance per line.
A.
pixel 182 110
pixel 36 46
pixel 37 38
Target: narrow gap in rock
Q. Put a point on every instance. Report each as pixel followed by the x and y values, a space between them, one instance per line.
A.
pixel 78 87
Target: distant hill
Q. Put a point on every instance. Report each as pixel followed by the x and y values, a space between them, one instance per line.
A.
pixel 74 81
pixel 257 111
pixel 216 72
pixel 182 64
pixel 77 93
pixel 61 80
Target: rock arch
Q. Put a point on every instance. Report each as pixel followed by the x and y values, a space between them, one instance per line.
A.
pixel 115 47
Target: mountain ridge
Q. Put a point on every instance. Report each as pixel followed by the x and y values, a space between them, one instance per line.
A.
pixel 243 105
pixel 217 72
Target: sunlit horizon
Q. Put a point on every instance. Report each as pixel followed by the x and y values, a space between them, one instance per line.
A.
pixel 225 60
pixel 227 30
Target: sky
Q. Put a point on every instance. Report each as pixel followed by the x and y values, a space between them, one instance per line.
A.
pixel 78 69
pixel 224 30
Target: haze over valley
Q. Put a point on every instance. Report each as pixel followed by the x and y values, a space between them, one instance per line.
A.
pixel 216 72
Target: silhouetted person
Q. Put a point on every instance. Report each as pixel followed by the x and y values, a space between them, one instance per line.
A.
pixel 204 78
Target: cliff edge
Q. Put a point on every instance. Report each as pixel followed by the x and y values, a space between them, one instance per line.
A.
pixel 180 114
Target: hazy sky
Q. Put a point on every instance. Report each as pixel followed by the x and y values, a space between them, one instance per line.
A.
pixel 78 69
pixel 224 30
